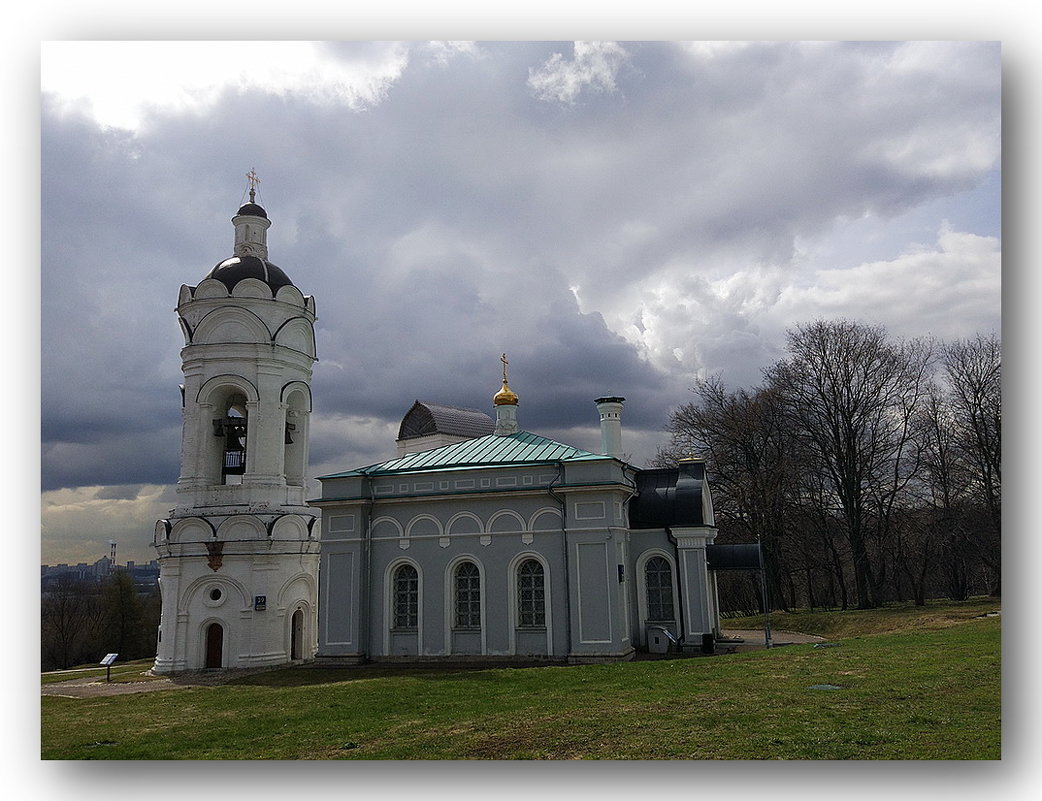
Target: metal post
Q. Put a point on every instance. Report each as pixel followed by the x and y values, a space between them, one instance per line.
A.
pixel 763 592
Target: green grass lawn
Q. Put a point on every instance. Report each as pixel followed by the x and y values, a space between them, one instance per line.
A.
pixel 920 691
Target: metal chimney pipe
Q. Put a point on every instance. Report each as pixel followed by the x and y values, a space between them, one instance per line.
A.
pixel 611 425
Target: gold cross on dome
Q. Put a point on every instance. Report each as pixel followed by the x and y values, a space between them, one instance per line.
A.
pixel 251 176
pixel 505 363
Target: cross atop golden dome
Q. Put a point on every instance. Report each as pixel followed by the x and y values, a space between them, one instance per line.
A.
pixel 506 396
pixel 251 176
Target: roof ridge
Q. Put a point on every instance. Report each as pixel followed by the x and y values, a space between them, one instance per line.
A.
pixel 489 450
pixel 451 406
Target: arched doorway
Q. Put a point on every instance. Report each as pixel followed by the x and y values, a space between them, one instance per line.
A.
pixel 296 640
pixel 214 646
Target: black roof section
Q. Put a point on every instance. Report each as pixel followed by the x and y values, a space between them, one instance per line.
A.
pixel 232 271
pixel 669 496
pixel 734 557
pixel 253 210
pixel 436 418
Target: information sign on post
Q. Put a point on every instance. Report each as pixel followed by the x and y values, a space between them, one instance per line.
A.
pixel 107 662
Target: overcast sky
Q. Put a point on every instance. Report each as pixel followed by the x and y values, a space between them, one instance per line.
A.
pixel 619 218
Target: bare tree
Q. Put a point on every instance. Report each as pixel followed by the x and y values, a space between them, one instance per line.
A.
pixel 851 393
pixel 973 368
pixel 750 456
pixel 864 477
pixel 71 617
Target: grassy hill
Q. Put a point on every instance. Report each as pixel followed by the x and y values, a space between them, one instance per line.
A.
pixel 927 687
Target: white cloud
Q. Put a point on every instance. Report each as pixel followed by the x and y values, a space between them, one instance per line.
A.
pixel 710 50
pixel 119 82
pixel 595 65
pixel 946 290
pixel 733 320
pixel 441 53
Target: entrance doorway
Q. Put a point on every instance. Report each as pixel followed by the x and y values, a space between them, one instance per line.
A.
pixel 296 645
pixel 214 646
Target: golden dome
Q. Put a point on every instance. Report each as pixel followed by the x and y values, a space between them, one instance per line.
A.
pixel 506 396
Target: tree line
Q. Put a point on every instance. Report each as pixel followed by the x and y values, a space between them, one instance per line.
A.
pixel 81 621
pixel 868 467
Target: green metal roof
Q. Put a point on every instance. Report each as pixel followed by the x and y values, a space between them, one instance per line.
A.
pixel 488 451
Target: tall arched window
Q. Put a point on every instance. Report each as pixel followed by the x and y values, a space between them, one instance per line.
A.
pixel 658 579
pixel 406 599
pixel 531 609
pixel 468 596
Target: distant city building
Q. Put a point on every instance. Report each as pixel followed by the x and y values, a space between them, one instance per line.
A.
pixel 146 577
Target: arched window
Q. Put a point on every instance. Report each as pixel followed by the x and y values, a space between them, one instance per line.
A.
pixel 658 579
pixel 468 596
pixel 531 610
pixel 406 599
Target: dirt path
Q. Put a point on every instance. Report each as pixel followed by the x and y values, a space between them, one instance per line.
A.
pixel 95 686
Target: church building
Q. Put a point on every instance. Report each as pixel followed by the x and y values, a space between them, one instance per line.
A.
pixel 474 540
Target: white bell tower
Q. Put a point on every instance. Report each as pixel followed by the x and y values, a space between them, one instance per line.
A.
pixel 238 556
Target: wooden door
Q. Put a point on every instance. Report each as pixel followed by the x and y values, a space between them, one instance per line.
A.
pixel 297 635
pixel 215 646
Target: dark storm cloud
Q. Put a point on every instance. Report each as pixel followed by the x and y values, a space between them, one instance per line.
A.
pixel 452 214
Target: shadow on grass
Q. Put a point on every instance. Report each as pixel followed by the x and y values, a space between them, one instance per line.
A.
pixel 310 675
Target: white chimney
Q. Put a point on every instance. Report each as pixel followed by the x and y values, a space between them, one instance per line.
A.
pixel 611 425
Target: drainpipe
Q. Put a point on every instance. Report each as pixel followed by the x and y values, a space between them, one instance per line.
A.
pixel 364 620
pixel 680 587
pixel 564 550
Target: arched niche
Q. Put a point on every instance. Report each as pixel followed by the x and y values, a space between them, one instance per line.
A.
pixel 300 587
pixel 289 527
pixel 464 523
pixel 191 529
pixel 210 288
pixel 386 527
pixel 241 527
pixel 251 288
pixel 506 521
pixel 290 294
pixel 237 595
pixel 298 334
pixel 423 525
pixel 230 324
pixel 296 398
pixel 546 519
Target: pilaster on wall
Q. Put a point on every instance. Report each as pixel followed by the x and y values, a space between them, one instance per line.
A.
pixel 701 615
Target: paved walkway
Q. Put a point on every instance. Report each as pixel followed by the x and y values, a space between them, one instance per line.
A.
pixel 754 639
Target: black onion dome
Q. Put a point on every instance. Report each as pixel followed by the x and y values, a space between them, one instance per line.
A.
pixel 232 271
pixel 253 210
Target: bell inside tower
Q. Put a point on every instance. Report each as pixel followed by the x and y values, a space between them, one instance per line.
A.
pixel 232 428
